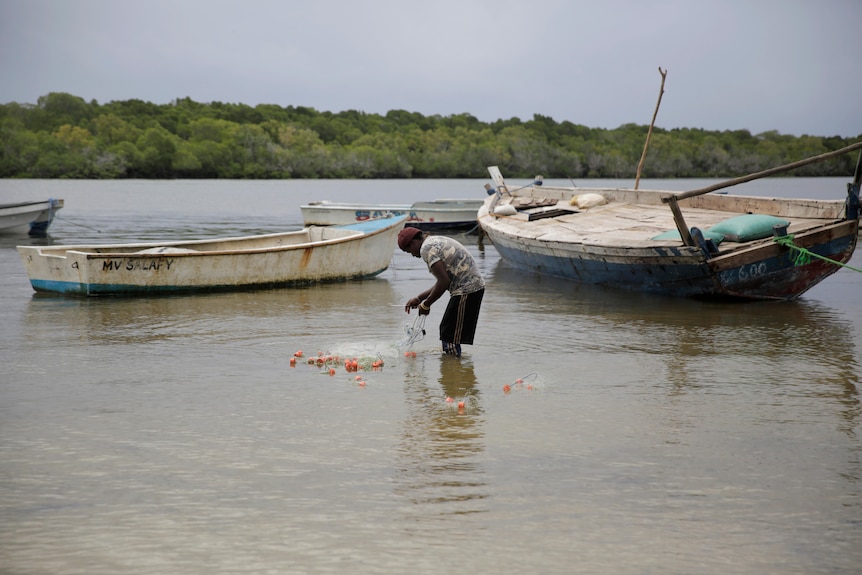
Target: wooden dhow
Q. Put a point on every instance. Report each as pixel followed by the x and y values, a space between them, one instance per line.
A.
pixel 677 244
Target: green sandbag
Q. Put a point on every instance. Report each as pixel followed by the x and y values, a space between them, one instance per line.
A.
pixel 747 227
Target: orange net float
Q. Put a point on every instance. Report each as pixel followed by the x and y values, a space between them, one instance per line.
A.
pixel 520 383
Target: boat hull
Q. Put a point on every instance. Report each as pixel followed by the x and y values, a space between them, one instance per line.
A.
pixel 34 218
pixel 764 272
pixel 436 215
pixel 294 258
pixel 772 271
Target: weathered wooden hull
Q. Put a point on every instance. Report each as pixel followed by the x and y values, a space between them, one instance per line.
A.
pixel 435 215
pixel 292 258
pixel 765 272
pixel 770 271
pixel 31 217
pixel 616 246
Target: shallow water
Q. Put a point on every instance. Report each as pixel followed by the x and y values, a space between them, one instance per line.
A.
pixel 649 435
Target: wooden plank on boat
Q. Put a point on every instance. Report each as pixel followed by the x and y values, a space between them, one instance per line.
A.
pixel 528 203
pixel 553 213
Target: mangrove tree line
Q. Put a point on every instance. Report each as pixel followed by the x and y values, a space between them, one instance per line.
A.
pixel 63 136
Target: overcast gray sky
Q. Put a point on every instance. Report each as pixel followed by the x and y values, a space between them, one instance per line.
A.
pixel 787 65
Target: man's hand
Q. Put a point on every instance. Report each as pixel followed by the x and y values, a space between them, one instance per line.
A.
pixel 412 303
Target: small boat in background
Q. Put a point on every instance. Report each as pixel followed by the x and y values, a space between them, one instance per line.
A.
pixel 443 214
pixel 31 217
pixel 306 256
pixel 691 244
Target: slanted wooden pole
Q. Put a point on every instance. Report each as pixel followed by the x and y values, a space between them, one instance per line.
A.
pixel 765 173
pixel 673 199
pixel 684 232
pixel 651 124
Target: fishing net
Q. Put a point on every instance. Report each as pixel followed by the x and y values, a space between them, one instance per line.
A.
pixel 414 332
pixel 328 362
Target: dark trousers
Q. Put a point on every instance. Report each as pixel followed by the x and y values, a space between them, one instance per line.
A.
pixel 461 317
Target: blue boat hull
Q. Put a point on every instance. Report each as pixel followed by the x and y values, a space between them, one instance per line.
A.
pixel 766 272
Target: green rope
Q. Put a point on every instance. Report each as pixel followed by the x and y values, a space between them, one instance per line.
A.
pixel 803 256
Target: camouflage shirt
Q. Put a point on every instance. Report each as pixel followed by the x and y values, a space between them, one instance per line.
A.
pixel 464 274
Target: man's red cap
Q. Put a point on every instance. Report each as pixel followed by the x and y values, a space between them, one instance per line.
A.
pixel 406 236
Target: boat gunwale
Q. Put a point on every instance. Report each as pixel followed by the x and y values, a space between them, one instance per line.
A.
pixel 57 203
pixel 656 196
pixel 82 249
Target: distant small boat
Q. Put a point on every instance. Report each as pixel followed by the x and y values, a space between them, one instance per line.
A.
pixel 31 217
pixel 691 244
pixel 310 255
pixel 450 214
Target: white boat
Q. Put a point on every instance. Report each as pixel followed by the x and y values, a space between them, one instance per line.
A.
pixel 692 244
pixel 31 217
pixel 306 256
pixel 448 214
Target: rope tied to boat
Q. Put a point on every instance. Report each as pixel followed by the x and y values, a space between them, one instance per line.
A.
pixel 803 256
pixel 68 221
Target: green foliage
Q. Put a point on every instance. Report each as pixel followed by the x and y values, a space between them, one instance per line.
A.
pixel 63 136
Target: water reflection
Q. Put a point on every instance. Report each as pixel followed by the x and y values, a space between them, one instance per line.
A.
pixel 438 454
pixel 244 315
pixel 10 241
pixel 801 348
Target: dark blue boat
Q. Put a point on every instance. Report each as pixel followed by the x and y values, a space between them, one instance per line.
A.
pixel 690 244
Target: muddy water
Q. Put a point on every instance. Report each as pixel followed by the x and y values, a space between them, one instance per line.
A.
pixel 649 435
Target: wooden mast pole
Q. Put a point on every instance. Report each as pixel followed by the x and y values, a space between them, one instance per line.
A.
pixel 651 124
